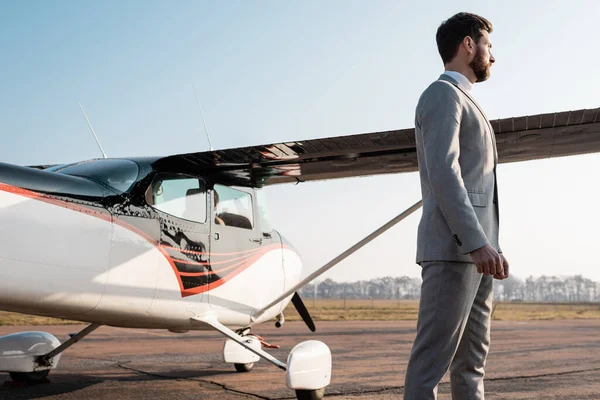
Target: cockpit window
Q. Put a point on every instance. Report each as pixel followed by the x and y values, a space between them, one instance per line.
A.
pixel 181 196
pixel 233 207
pixel 264 217
pixel 119 175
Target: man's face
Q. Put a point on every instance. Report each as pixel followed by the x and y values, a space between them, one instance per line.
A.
pixel 483 59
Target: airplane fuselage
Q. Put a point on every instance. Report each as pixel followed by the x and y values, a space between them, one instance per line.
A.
pixel 124 243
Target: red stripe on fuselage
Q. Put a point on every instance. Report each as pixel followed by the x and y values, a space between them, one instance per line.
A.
pixel 244 265
pixel 89 211
pixel 54 201
pixel 203 252
pixel 244 260
pixel 211 255
pixel 253 255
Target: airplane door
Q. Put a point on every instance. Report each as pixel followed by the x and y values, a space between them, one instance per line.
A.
pixel 182 204
pixel 246 264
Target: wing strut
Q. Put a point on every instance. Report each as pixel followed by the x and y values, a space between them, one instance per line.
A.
pixel 212 321
pixel 45 359
pixel 339 258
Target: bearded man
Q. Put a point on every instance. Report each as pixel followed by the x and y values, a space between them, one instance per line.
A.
pixel 457 245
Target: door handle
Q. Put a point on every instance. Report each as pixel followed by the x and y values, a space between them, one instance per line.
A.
pixel 217 236
pixel 259 240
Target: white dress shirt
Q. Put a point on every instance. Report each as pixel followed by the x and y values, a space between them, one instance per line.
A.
pixel 462 80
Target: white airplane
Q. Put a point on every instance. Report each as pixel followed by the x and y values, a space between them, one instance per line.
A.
pixel 184 242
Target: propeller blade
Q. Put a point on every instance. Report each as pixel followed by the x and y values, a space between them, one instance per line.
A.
pixel 301 308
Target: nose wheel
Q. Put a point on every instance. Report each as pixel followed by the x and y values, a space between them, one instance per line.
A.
pixel 317 394
pixel 247 367
pixel 308 367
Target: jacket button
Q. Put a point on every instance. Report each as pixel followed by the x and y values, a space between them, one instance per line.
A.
pixel 457 240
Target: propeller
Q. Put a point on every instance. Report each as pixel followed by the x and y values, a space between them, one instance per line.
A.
pixel 301 308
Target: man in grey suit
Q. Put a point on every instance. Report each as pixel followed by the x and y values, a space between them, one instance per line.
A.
pixel 457 245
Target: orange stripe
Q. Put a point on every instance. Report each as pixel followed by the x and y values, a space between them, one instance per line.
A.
pixel 82 209
pixel 152 242
pixel 262 251
pixel 203 252
pixel 207 273
pixel 225 279
pixel 254 254
pixel 218 262
pixel 187 262
pixel 57 202
pixel 211 263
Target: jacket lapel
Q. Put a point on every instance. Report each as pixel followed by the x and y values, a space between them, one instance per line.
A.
pixel 449 79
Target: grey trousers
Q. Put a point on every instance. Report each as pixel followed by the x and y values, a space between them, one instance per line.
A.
pixel 453 332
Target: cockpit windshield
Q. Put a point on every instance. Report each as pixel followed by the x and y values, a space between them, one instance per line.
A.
pixel 119 175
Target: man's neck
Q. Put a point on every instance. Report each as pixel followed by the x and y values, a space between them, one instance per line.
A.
pixel 462 80
pixel 465 70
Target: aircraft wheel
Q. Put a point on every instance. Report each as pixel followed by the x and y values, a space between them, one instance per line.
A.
pixel 317 394
pixel 244 367
pixel 29 377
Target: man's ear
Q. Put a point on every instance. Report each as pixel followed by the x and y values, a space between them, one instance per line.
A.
pixel 469 44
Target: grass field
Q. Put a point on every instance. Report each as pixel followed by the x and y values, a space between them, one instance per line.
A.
pixel 382 310
pixel 389 310
pixel 8 318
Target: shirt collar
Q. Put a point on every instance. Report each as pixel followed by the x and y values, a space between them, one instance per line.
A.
pixel 462 80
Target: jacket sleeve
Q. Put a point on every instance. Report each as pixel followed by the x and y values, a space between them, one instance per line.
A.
pixel 438 116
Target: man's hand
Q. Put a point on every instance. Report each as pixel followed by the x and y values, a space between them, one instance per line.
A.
pixel 505 273
pixel 488 261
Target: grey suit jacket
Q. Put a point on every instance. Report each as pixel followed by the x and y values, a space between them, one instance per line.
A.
pixel 456 150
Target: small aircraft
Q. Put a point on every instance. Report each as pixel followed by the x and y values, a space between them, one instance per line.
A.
pixel 184 242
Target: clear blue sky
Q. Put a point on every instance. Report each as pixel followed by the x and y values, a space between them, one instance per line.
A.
pixel 272 71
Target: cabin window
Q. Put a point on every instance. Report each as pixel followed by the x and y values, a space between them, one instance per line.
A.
pixel 264 217
pixel 180 196
pixel 233 207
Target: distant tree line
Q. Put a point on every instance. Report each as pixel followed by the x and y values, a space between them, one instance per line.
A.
pixel 541 289
pixel 379 288
pixel 548 288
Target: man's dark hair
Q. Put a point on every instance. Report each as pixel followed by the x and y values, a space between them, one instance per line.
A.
pixel 452 31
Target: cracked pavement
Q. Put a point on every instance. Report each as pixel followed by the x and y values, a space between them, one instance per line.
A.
pixel 528 360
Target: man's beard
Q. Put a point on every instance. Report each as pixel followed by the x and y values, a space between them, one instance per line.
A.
pixel 480 68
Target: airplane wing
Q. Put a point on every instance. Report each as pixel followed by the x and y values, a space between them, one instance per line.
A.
pixel 518 139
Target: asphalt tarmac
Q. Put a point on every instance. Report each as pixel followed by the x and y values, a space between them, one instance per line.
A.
pixel 528 360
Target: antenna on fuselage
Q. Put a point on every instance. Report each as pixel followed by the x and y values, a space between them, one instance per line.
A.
pixel 203 121
pixel 92 129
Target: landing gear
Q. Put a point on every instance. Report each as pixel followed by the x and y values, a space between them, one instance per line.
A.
pixel 19 353
pixel 244 367
pixel 243 349
pixel 46 359
pixel 317 394
pixel 29 357
pixel 29 377
pixel 308 367
pixel 238 354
